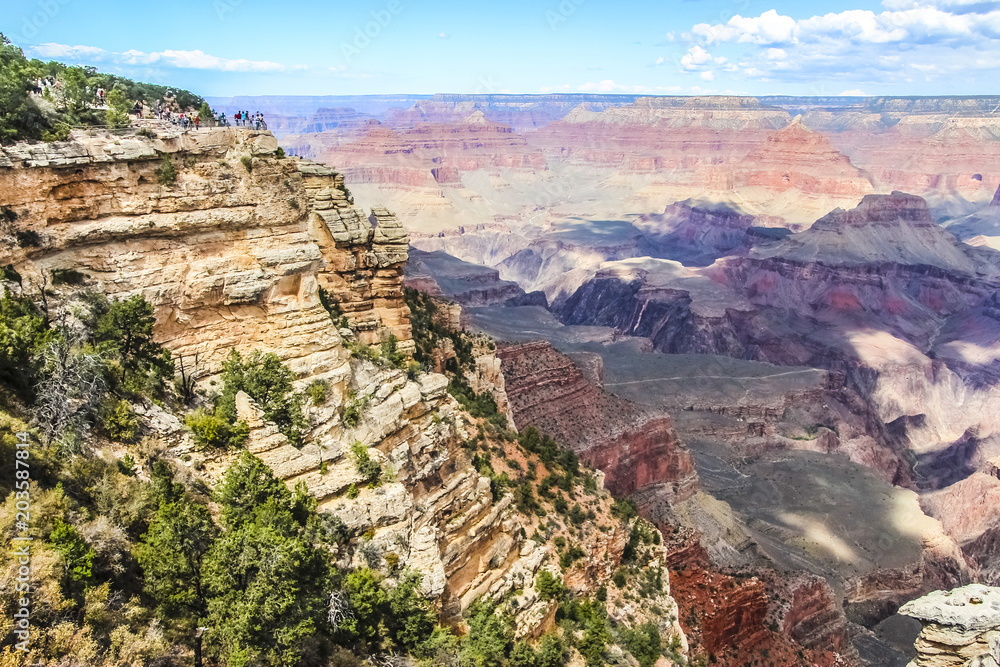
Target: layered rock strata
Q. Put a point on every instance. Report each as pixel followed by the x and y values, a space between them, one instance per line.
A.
pixel 240 249
pixel 961 627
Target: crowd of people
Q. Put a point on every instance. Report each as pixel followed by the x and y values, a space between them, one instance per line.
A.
pixel 246 119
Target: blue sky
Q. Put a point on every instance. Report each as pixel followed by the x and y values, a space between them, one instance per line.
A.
pixel 230 47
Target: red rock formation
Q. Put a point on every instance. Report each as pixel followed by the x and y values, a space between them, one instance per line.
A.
pixel 795 158
pixel 634 450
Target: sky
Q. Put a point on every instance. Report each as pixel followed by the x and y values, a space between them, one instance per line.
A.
pixel 675 47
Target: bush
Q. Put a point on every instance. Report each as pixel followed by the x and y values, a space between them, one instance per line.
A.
pixel 548 586
pixel 213 432
pixel 269 382
pixel 367 467
pixel 119 422
pixel 353 409
pixel 625 509
pixel 644 644
pixel 318 391
pixel 490 636
pixel 28 238
pixel 247 163
pixel 166 174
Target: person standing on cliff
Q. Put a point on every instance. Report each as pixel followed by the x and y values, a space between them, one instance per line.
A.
pixel 197 122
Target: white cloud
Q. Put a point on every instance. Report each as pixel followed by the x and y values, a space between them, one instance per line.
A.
pixel 854 93
pixel 661 60
pixel 708 75
pixel 444 35
pixel 911 38
pixel 695 57
pixel 169 58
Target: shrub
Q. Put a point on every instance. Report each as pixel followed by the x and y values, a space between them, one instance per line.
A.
pixel 166 174
pixel 119 422
pixel 644 644
pixel 318 391
pixel 490 636
pixel 353 410
pixel 247 163
pixel 28 238
pixel 547 586
pixel 625 509
pixel 211 431
pixel 269 382
pixel 366 466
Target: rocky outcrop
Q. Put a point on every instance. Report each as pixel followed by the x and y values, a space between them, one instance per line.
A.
pixel 634 450
pixel 469 284
pixel 961 627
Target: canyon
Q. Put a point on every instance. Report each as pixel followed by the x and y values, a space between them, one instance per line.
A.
pixel 763 318
pixel 246 249
pixel 771 322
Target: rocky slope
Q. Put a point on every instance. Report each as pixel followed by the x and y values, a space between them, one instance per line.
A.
pixel 241 250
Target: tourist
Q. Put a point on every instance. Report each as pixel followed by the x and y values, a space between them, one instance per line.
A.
pixel 197 122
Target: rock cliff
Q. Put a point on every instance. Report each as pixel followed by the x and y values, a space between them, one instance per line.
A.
pixel 237 246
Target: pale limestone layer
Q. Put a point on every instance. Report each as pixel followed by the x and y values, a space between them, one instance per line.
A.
pixel 961 627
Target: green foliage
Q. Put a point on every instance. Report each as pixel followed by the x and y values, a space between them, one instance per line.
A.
pixel 625 509
pixel 118 108
pixel 644 644
pixel 480 406
pixel 368 468
pixel 266 582
pixel 317 391
pixel 522 655
pixel 205 113
pixel 119 422
pixel 269 382
pixel 22 119
pixel 247 163
pixel 331 306
pixel 213 432
pixel 571 555
pixel 490 636
pixel 166 173
pixel 248 486
pixel 126 331
pixel 389 617
pixel 77 555
pixel 171 555
pixel 391 354
pixel 353 409
pixel 548 586
pixel 23 334
pixel 551 652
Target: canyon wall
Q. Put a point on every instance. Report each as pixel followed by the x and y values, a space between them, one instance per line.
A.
pixel 246 249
